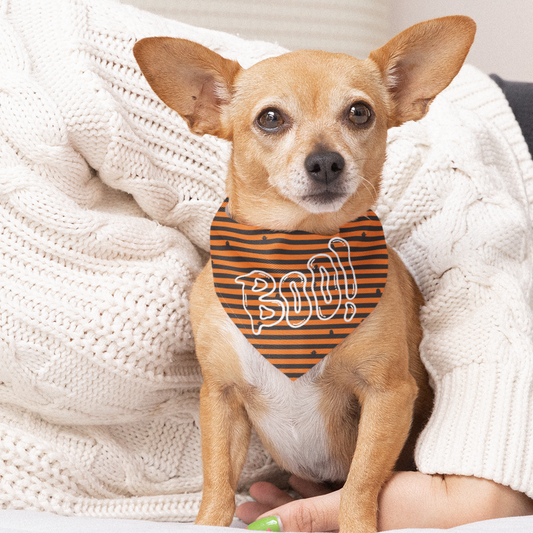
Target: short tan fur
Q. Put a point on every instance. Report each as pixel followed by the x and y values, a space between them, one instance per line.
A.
pixel 373 389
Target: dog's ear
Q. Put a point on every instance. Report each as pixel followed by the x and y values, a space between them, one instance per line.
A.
pixel 191 79
pixel 421 61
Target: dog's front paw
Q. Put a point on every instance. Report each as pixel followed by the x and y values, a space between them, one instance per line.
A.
pixel 217 512
pixel 357 526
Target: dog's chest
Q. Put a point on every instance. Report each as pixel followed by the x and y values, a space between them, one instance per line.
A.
pixel 292 424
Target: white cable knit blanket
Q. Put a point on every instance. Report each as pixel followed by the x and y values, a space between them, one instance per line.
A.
pixel 105 205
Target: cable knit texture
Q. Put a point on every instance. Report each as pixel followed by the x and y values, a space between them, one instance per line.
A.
pixel 105 201
pixel 105 205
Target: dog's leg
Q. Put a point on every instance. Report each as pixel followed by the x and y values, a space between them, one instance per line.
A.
pixel 226 433
pixel 225 425
pixel 383 428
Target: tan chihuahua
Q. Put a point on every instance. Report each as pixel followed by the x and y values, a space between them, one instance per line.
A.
pixel 309 133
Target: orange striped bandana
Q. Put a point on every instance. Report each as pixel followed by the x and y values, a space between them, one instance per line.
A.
pixel 296 295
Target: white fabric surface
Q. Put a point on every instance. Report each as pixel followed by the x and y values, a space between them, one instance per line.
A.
pixel 32 522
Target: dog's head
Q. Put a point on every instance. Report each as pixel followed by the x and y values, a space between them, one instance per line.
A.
pixel 308 128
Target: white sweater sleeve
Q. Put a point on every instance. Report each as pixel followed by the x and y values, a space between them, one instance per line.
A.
pixel 455 207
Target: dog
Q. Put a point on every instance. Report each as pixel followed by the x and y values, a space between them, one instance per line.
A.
pixel 308 132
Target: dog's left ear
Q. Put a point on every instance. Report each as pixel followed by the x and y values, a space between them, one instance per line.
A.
pixel 421 61
pixel 191 79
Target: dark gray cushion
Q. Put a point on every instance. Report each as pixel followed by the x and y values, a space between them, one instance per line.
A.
pixel 520 97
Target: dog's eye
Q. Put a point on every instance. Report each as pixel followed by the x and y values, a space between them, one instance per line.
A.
pixel 270 120
pixel 360 114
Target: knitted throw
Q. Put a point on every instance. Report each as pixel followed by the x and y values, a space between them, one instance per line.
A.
pixel 105 205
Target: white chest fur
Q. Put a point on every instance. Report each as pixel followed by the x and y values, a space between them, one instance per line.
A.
pixel 292 424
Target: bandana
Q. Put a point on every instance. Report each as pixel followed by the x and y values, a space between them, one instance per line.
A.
pixel 296 295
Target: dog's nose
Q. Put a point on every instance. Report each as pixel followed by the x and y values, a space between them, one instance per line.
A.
pixel 324 167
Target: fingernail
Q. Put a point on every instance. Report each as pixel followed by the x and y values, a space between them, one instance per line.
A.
pixel 269 523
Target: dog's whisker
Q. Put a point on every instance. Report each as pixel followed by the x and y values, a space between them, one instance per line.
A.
pixel 367 183
pixel 266 191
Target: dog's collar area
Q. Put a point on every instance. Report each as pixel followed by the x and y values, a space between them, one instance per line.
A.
pixel 297 295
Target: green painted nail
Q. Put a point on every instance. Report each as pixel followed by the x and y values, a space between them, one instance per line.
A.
pixel 269 523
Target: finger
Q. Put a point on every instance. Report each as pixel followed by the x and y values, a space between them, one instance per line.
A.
pixel 308 489
pixel 268 497
pixel 320 513
pixel 250 511
pixel 268 494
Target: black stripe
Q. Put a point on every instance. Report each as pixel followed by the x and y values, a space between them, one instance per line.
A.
pixel 221 275
pixel 361 292
pixel 240 270
pixel 222 225
pixel 234 301
pixel 302 353
pixel 259 261
pixel 237 311
pixel 293 251
pixel 230 235
pixel 325 325
pixel 228 286
pixel 294 365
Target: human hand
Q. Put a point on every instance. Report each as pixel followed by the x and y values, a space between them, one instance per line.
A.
pixel 408 499
pixel 317 511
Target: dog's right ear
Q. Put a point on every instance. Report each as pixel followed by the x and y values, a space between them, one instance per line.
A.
pixel 421 61
pixel 191 79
